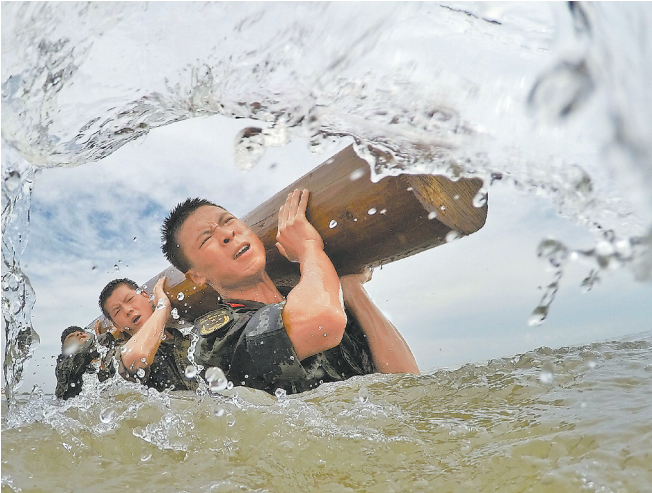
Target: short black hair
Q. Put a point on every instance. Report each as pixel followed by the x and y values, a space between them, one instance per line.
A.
pixel 170 229
pixel 69 330
pixel 108 291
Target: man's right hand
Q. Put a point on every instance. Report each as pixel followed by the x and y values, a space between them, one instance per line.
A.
pixel 296 235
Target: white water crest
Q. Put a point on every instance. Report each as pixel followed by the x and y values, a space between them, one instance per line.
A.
pixel 551 97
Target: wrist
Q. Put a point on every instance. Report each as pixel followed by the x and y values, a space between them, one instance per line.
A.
pixel 310 249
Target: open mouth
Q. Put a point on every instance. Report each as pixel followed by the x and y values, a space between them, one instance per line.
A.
pixel 243 249
pixel 136 319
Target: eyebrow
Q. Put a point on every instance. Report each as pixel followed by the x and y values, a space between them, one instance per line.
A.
pixel 208 230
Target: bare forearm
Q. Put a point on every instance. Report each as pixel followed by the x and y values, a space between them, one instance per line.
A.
pixel 389 351
pixel 145 343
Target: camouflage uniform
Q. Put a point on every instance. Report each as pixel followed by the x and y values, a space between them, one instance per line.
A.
pixel 71 368
pixel 250 344
pixel 168 368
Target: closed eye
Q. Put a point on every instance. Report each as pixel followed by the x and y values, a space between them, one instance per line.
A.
pixel 205 240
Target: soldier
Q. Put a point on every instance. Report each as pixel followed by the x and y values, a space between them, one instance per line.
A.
pixel 78 352
pixel 155 354
pixel 268 339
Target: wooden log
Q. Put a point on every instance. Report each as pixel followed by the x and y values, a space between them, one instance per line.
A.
pixel 362 223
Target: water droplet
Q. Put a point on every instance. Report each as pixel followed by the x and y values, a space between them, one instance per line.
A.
pixel 409 189
pixel 138 291
pixel 291 357
pixel 191 371
pixel 229 385
pixel 161 304
pixel 325 335
pixel 116 268
pixel 135 238
pixel 146 457
pixel 106 416
pixel 443 207
pixel 452 236
pixel 538 316
pixel 231 420
pixel 547 374
pixel 280 393
pixel 151 297
pixel 604 249
pixel 383 211
pixel 140 373
pixel 216 379
pixel 480 198
pixel 591 363
pixel 357 174
pixel 143 360
pixel 12 181
pixel 371 211
pixel 94 269
pixel 432 215
pixel 180 296
pixel 175 314
pixel 219 412
pixel 332 224
pixel 456 197
pixel 363 395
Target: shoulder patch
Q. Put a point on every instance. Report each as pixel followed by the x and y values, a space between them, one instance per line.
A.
pixel 214 320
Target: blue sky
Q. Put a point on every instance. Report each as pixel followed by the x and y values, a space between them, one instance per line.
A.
pixel 467 301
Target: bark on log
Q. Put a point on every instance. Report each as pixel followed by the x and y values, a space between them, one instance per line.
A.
pixel 376 223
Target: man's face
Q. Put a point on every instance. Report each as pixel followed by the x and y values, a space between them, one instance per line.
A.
pixel 221 248
pixel 72 341
pixel 128 309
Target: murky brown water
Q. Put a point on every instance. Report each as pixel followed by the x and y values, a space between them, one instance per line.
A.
pixel 573 419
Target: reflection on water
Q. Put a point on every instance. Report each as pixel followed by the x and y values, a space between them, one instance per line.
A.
pixel 584 426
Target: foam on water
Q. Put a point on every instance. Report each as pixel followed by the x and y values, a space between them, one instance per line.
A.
pixel 553 98
pixel 572 419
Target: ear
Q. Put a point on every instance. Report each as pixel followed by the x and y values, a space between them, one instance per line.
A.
pixel 196 277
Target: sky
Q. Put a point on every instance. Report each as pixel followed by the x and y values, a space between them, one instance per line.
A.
pixel 464 302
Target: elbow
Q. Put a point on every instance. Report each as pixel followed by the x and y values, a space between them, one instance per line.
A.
pixel 333 325
pixel 133 360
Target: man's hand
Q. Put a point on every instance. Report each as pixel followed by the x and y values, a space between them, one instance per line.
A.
pixel 161 300
pixel 115 332
pixel 295 234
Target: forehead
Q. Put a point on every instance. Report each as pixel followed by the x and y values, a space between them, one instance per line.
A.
pixel 199 219
pixel 119 293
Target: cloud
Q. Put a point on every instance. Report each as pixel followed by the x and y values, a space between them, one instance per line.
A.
pixel 465 301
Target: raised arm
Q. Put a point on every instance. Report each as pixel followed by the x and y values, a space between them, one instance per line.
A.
pixel 389 351
pixel 314 315
pixel 139 351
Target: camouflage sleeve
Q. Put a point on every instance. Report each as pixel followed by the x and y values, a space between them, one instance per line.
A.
pixel 271 357
pixel 70 369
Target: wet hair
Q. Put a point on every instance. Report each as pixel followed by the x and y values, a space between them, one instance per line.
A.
pixel 69 330
pixel 110 288
pixel 170 231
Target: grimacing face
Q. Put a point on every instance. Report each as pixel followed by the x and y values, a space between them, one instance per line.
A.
pixel 222 250
pixel 128 309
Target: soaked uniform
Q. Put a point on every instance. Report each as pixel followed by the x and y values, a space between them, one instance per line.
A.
pixel 248 341
pixel 71 368
pixel 168 368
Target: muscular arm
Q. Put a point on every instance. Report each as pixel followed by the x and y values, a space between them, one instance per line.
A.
pixel 313 316
pixel 389 351
pixel 144 344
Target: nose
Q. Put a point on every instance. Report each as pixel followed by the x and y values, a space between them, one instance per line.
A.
pixel 228 236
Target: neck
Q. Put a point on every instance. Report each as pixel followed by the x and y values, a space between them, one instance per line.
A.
pixel 263 290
